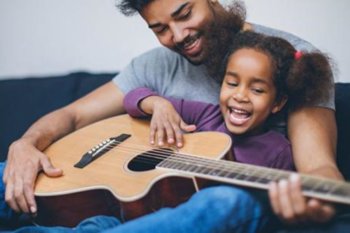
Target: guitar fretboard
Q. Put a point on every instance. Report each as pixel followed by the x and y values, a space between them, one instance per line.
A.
pixel 254 176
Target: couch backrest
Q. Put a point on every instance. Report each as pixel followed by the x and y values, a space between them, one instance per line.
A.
pixel 23 101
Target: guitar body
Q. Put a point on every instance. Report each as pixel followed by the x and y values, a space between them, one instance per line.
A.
pixel 109 185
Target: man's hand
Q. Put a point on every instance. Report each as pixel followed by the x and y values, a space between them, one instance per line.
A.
pixel 292 207
pixel 24 163
pixel 166 123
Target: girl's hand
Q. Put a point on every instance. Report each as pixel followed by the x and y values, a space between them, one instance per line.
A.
pixel 166 124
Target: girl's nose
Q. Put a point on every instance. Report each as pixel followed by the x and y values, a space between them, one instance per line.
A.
pixel 240 95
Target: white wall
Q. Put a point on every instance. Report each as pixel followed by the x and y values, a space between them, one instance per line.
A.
pixel 44 37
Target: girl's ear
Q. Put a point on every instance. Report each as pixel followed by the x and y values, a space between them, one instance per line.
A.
pixel 280 104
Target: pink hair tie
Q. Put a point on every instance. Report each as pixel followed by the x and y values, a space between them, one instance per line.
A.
pixel 298 55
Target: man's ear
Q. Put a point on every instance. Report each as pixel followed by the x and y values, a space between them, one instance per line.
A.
pixel 280 104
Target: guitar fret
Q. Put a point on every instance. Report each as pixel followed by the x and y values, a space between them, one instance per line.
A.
pixel 204 170
pixel 325 187
pixel 266 178
pixel 177 165
pixel 342 190
pixel 215 172
pixel 186 166
pixel 167 164
pixel 232 175
pixel 192 168
pixel 246 174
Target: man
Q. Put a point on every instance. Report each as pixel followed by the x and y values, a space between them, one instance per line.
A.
pixel 182 26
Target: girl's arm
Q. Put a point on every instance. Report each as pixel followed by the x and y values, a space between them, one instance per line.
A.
pixel 166 123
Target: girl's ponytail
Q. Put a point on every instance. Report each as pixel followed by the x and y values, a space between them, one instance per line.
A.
pixel 309 79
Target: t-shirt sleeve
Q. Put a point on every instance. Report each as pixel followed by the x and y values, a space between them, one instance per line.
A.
pixel 130 77
pixel 132 101
pixel 133 98
pixel 145 71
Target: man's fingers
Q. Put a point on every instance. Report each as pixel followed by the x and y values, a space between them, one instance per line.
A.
pixel 273 195
pixel 320 212
pixel 19 196
pixel 10 198
pixel 48 168
pixel 287 211
pixel 297 198
pixel 29 183
pixel 327 212
pixel 29 196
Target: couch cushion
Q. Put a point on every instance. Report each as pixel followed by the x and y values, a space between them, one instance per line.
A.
pixel 23 101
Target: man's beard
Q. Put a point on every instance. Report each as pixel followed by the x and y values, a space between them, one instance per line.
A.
pixel 216 36
pixel 221 37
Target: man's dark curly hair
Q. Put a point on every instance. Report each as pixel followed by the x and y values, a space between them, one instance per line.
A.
pixel 131 7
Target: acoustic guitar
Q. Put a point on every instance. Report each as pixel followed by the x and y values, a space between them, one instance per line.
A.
pixel 111 169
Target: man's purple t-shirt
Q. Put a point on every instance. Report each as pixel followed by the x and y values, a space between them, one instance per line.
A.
pixel 269 149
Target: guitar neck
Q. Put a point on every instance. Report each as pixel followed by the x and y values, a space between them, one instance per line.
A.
pixel 254 176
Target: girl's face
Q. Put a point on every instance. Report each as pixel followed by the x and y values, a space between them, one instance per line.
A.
pixel 248 94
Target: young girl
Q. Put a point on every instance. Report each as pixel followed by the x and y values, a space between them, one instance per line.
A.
pixel 260 73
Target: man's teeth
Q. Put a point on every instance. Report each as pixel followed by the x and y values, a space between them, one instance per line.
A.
pixel 190 43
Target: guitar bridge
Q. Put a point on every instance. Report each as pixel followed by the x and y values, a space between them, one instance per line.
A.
pixel 100 149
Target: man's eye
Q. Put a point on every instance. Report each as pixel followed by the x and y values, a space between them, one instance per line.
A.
pixel 185 15
pixel 160 30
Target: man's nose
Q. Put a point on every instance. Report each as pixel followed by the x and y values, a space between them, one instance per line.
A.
pixel 178 33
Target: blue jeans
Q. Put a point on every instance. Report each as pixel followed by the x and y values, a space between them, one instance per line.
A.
pixel 216 209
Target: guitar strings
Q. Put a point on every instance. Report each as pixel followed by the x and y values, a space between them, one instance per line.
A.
pixel 149 153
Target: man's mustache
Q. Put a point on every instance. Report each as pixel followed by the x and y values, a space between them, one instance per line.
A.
pixel 187 41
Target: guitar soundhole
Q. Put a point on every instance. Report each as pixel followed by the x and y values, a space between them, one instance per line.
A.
pixel 149 159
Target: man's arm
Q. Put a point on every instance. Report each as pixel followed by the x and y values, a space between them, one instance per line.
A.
pixel 25 158
pixel 313 134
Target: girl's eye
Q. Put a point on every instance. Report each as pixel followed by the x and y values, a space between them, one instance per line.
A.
pixel 258 90
pixel 232 84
